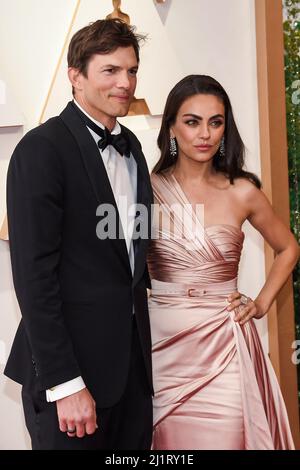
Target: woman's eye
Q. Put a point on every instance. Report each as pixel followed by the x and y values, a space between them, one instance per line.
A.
pixel 216 123
pixel 191 122
pixel 133 72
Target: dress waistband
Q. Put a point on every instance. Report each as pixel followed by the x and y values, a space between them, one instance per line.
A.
pixel 192 290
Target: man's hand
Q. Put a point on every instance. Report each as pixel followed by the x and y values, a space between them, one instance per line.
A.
pixel 77 413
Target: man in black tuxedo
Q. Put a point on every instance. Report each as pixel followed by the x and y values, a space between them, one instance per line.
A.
pixel 83 348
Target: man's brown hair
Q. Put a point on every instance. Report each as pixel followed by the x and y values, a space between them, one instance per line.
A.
pixel 101 37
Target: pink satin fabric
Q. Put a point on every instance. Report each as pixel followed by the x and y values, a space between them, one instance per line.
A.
pixel 214 386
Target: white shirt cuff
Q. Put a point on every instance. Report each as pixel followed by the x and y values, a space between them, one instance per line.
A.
pixel 65 389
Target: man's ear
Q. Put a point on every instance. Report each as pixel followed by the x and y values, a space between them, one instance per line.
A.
pixel 75 78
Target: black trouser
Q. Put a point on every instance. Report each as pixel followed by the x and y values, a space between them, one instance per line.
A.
pixel 125 426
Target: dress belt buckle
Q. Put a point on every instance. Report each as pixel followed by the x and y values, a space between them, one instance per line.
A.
pixel 190 292
pixel 195 292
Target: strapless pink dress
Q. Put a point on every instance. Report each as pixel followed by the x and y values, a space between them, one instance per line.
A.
pixel 215 388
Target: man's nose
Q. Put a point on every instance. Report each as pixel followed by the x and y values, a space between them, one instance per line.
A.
pixel 124 81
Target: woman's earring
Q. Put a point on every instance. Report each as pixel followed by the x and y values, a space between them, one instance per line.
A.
pixel 173 148
pixel 222 147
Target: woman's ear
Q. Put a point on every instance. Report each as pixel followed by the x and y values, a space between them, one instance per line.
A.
pixel 172 135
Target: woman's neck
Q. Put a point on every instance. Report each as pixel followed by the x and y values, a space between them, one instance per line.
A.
pixel 193 171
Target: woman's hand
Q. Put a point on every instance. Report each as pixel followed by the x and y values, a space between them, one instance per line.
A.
pixel 246 308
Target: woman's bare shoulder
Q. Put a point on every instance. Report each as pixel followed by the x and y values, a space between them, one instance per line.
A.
pixel 245 188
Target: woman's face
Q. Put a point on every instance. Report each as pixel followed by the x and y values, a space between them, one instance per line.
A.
pixel 199 127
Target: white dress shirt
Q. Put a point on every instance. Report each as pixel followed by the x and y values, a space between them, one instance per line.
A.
pixel 122 175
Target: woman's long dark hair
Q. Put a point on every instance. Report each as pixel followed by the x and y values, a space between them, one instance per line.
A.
pixel 232 163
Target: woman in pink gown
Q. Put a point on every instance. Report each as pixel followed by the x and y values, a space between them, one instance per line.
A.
pixel 215 388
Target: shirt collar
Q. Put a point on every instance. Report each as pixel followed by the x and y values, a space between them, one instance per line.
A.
pixel 116 130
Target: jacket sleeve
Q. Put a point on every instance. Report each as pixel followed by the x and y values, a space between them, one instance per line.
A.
pixel 35 220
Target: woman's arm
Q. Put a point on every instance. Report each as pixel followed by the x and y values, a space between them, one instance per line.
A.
pixel 262 216
pixel 280 238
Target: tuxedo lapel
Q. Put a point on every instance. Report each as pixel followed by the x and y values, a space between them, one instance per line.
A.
pixel 95 169
pixel 144 197
pixel 143 182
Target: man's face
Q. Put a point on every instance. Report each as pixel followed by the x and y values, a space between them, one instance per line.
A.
pixel 107 90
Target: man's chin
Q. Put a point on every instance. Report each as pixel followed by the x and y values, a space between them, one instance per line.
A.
pixel 122 112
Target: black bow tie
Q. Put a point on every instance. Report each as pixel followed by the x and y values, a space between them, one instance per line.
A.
pixel 119 141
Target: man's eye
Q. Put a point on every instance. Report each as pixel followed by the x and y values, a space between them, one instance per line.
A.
pixel 109 70
pixel 133 72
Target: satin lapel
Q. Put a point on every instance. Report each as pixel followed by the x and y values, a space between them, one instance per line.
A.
pixel 96 171
pixel 145 198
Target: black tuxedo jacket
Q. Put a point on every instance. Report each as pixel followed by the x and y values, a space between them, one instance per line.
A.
pixel 76 292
